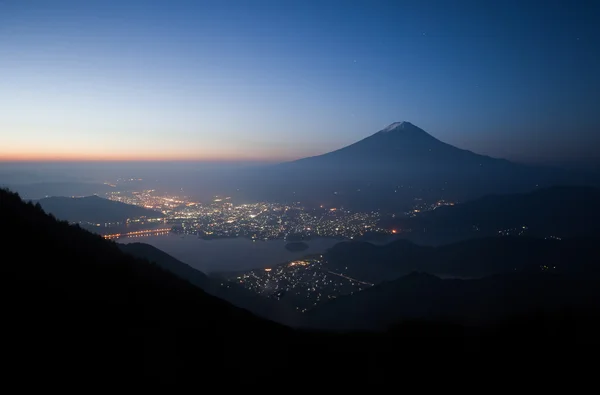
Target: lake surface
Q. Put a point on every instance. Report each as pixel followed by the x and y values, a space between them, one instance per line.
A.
pixel 229 254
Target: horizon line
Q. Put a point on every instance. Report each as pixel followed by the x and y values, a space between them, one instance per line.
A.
pixel 143 160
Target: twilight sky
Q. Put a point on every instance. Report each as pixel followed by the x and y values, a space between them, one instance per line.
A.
pixel 275 80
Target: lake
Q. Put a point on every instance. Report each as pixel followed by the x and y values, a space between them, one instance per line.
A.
pixel 229 254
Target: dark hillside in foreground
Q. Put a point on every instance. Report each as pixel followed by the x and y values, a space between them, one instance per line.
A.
pixel 76 303
pixel 76 295
pixel 233 293
pixel 79 311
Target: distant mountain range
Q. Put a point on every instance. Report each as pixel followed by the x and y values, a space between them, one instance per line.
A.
pixel 398 163
pixel 476 302
pixel 381 264
pixel 468 259
pixel 94 209
pixel 40 190
pixel 563 212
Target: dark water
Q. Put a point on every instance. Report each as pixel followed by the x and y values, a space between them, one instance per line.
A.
pixel 229 254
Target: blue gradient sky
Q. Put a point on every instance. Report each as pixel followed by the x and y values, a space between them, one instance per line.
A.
pixel 274 80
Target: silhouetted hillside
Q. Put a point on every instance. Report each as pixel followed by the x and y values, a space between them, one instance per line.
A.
pixel 468 303
pixel 231 292
pixel 74 294
pixel 74 302
pixel 78 310
pixel 558 211
pixel 472 258
pixel 94 209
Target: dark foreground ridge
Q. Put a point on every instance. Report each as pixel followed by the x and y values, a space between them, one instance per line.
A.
pixel 233 293
pixel 79 309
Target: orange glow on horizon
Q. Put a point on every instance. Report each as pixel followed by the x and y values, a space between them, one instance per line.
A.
pixel 38 151
pixel 129 158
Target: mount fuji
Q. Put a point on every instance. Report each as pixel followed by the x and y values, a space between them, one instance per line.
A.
pixel 399 163
pixel 401 146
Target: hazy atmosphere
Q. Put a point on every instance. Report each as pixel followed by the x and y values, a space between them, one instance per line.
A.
pixel 265 192
pixel 273 81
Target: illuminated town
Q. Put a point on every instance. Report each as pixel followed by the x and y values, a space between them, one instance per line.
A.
pixel 421 206
pixel 220 218
pixel 303 284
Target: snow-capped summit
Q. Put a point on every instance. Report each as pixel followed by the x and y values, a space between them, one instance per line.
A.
pixel 398 125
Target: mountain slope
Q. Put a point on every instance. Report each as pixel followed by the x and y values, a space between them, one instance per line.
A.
pixel 479 302
pixel 76 306
pixel 230 292
pixel 77 295
pixel 77 310
pixel 468 259
pixel 390 168
pixel 94 209
pixel 401 143
pixel 558 211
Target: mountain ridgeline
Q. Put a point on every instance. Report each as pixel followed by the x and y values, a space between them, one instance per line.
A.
pixel 556 212
pixel 393 166
pixel 484 302
pixel 77 295
pixel 82 305
pixel 94 209
pixel 231 292
pixel 403 149
pixel 468 259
